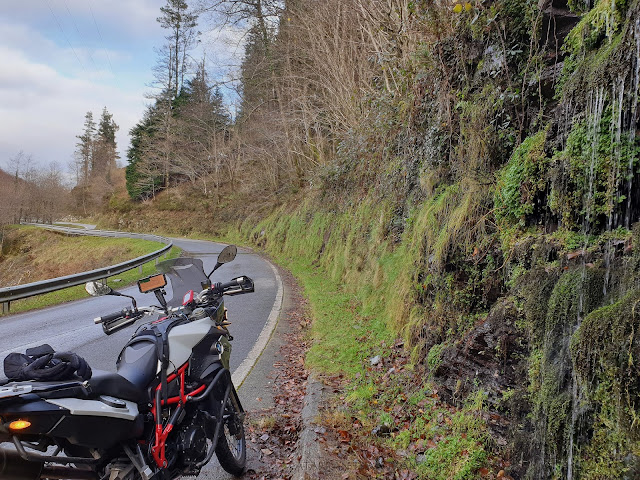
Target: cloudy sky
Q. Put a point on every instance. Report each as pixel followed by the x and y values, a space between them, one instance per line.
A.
pixel 62 58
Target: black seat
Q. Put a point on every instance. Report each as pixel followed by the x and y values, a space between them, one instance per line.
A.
pixel 114 385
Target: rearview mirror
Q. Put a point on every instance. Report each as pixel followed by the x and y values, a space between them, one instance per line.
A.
pixel 227 254
pixel 97 289
pixel 154 282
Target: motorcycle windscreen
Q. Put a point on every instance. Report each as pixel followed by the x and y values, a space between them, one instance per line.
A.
pixel 183 274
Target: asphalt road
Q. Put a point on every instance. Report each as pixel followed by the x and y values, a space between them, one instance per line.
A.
pixel 70 327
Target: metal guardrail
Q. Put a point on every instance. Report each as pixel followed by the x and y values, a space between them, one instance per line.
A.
pixel 9 294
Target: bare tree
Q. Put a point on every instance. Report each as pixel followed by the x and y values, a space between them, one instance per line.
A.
pixel 182 36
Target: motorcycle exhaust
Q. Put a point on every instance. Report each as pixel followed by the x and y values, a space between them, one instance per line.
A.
pixel 14 467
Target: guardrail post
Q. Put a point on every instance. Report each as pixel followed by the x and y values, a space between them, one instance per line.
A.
pixel 6 306
pixel 140 269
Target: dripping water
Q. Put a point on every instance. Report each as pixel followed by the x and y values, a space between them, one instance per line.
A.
pixel 568 114
pixel 616 152
pixel 595 108
pixel 634 119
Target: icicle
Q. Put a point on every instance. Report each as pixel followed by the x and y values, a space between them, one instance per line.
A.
pixel 616 152
pixel 594 122
pixel 568 114
pixel 575 401
pixel 595 107
pixel 634 120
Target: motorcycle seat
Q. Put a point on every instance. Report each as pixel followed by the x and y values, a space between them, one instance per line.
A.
pixel 114 385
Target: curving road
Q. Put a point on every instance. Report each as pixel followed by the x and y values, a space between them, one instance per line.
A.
pixel 70 327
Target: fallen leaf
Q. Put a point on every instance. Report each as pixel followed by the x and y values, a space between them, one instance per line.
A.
pixel 345 436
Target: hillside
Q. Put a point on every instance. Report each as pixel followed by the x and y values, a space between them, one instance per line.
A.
pixel 457 186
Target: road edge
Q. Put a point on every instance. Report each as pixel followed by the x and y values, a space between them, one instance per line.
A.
pixel 240 374
pixel 309 455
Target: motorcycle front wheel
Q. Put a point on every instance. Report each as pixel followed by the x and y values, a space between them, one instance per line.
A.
pixel 232 446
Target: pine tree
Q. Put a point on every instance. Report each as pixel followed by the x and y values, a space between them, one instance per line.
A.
pixel 144 175
pixel 105 153
pixel 181 38
pixel 84 150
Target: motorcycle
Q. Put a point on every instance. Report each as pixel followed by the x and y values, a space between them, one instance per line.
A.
pixel 168 408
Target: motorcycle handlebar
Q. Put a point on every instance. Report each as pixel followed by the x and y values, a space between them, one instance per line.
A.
pixel 111 316
pixel 244 282
pixel 233 283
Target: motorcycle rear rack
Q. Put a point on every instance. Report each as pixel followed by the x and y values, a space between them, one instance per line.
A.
pixel 50 389
pixel 15 390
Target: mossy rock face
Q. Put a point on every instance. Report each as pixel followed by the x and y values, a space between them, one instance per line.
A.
pixel 577 292
pixel 534 289
pixel 606 354
pixel 521 180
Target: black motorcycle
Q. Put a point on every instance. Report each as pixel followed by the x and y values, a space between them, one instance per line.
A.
pixel 169 407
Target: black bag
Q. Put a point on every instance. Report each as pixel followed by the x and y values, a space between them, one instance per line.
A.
pixel 43 363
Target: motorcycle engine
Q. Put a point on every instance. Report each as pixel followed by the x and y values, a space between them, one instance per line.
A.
pixel 191 442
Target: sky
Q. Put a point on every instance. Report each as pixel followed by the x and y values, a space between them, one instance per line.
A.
pixel 62 58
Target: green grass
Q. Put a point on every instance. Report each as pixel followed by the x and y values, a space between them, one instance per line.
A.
pixel 343 339
pixel 116 282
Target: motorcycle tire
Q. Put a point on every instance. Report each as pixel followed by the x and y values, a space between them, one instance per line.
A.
pixel 232 445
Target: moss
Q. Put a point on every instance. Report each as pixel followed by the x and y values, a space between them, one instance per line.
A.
pixel 534 289
pixel 604 456
pixel 601 22
pixel 576 293
pixel 605 351
pixel 521 180
pixel 597 363
pixel 586 177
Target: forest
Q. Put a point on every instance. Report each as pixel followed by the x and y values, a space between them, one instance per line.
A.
pixel 465 175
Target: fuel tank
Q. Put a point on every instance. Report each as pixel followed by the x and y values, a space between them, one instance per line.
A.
pixel 184 338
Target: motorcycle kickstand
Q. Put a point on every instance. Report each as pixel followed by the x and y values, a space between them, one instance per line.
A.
pixel 138 462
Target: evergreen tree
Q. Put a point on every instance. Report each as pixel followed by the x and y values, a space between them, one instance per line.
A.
pixel 84 150
pixel 256 76
pixel 105 153
pixel 141 179
pixel 181 38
